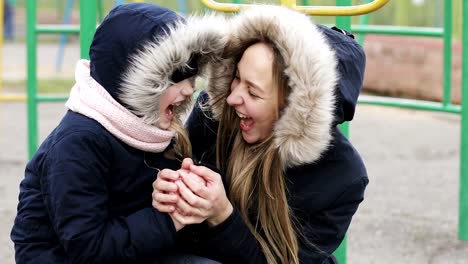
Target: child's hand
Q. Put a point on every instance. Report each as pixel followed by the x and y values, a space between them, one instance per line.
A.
pixel 165 195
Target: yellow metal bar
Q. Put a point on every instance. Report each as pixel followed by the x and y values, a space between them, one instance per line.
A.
pixel 225 7
pixel 353 10
pixel 311 10
pixel 12 97
pixel 290 3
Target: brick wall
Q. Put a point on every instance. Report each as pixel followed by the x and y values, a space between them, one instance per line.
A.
pixel 410 67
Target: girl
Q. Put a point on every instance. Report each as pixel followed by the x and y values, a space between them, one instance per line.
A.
pixel 86 195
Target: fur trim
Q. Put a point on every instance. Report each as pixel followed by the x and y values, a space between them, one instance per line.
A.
pixel 150 69
pixel 303 131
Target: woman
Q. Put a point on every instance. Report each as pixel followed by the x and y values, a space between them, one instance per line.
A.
pixel 293 181
pixel 86 195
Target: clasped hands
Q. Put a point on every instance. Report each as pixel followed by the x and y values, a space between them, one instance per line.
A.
pixel 191 195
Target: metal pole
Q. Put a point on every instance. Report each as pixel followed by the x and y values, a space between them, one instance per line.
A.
pixel 31 47
pixel 364 20
pixel 87 26
pixel 64 38
pixel 343 22
pixel 447 53
pixel 289 3
pixel 463 212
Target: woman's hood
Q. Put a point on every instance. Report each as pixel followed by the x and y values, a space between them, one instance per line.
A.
pixel 141 49
pixel 303 132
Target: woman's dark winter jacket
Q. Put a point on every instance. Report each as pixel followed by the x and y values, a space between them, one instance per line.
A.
pixel 86 195
pixel 326 179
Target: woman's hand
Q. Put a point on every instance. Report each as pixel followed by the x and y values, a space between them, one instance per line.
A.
pixel 204 199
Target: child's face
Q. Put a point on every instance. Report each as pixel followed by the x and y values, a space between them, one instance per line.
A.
pixel 172 97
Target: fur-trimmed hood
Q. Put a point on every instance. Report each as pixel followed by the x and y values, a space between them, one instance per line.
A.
pixel 149 44
pixel 303 131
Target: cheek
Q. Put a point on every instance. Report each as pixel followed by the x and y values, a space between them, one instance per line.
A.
pixel 262 113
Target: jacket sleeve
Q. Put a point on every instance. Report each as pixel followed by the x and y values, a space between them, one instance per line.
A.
pixel 75 187
pixel 326 229
pixel 228 242
pixel 232 241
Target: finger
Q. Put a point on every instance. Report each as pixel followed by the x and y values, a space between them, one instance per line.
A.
pixel 187 220
pixel 186 163
pixel 207 174
pixel 196 184
pixel 186 209
pixel 169 175
pixel 165 186
pixel 165 198
pixel 192 199
pixel 163 208
pixel 183 207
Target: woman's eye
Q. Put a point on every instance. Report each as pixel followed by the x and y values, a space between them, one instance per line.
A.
pixel 253 95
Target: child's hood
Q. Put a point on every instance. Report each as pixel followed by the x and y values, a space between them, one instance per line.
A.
pixel 141 49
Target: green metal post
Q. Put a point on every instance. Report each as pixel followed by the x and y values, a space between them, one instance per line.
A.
pixel 99 11
pixel 401 31
pixel 31 13
pixel 463 212
pixel 87 26
pixel 343 22
pixel 447 53
pixel 363 20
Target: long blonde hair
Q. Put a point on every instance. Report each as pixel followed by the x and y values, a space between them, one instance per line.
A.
pixel 182 147
pixel 256 176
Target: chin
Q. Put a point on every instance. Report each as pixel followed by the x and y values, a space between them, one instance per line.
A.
pixel 248 139
pixel 164 125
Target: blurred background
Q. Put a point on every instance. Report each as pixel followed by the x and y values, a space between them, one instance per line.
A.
pixel 404 52
pixel 412 149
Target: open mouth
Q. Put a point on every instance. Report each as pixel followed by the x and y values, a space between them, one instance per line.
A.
pixel 246 122
pixel 170 110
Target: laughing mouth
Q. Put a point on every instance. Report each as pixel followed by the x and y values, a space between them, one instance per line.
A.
pixel 242 116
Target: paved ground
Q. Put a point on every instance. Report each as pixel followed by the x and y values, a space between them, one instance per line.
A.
pixel 411 207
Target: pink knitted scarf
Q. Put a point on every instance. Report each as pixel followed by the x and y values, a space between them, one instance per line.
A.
pixel 89 98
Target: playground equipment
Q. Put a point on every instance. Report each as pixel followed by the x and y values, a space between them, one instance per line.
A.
pixel 67 18
pixel 1 44
pixel 65 29
pixel 343 10
pixel 445 105
pixel 339 10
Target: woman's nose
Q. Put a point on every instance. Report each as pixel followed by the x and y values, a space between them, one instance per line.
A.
pixel 235 97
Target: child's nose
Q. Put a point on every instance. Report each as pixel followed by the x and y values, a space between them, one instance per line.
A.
pixel 187 90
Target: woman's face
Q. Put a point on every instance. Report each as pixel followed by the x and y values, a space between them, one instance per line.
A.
pixel 253 94
pixel 173 97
